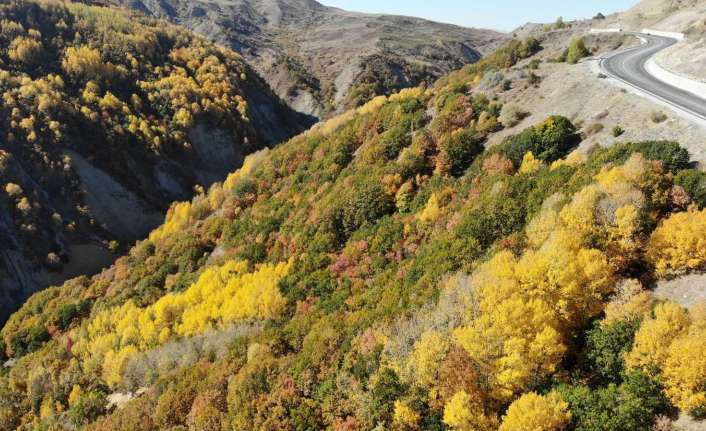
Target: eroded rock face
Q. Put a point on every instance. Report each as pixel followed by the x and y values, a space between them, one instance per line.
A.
pixel 322 59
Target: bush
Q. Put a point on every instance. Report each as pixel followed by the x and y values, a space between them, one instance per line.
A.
pixel 658 117
pixel 534 79
pixel 364 205
pixel 605 348
pixel 68 312
pixel 550 140
pixel 511 115
pixel 594 128
pixel 386 389
pixel 694 184
pixel 29 340
pixel 87 408
pixel 244 187
pixel 577 50
pixel 461 148
pixel 674 158
pixel 617 131
pixel 631 406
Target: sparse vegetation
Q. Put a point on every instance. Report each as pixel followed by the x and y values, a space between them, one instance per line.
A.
pixel 576 51
pixel 658 117
pixel 594 128
pixel 511 115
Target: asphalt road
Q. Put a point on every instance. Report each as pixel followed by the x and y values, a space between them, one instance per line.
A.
pixel 629 66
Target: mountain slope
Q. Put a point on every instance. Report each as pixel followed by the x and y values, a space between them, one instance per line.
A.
pixel 323 59
pixel 106 119
pixel 385 270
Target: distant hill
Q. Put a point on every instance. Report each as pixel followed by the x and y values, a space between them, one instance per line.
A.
pixel 322 59
pixel 106 119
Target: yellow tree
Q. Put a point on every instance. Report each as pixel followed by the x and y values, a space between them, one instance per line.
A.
pixel 464 412
pixel 679 243
pixel 684 371
pixel 405 417
pixel 428 353
pixel 655 335
pixel 526 307
pixel 25 50
pixel 533 412
pixel 530 164
pixel 672 345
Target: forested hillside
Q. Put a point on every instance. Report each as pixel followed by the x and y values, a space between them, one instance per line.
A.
pixel 322 59
pixel 386 271
pixel 107 118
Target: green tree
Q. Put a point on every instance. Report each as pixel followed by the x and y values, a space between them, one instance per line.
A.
pixel 605 347
pixel 630 406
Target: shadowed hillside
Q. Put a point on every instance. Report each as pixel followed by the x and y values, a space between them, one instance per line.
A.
pixel 106 119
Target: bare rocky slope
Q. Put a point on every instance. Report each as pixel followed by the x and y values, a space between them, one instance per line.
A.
pixel 322 59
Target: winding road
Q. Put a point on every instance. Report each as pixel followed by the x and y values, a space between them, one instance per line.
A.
pixel 630 67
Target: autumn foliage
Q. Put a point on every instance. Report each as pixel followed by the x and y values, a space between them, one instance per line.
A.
pixel 384 270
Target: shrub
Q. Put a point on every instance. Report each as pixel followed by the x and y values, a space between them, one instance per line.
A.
pixel 385 390
pixel 87 408
pixel 534 79
pixel 461 148
pixel 363 206
pixel 605 347
pixel 674 158
pixel 28 340
pixel 548 141
pixel 594 128
pixel 617 131
pixel 577 50
pixel 658 117
pixel 511 115
pixel 694 184
pixel 68 312
pixel 630 406
pixel 244 187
